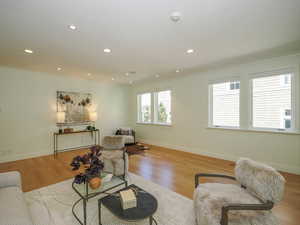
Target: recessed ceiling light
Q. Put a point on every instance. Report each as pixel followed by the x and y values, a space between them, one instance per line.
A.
pixel 29 51
pixel 112 78
pixel 157 75
pixel 126 74
pixel 189 51
pixel 177 71
pixel 107 50
pixel 58 69
pixel 72 27
pixel 89 74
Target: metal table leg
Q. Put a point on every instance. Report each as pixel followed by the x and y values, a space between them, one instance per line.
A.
pixel 99 213
pixel 84 211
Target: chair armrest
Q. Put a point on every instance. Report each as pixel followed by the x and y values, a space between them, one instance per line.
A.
pixel 225 209
pixel 9 179
pixel 211 175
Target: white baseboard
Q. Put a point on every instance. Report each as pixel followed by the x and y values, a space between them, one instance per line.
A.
pixel 281 167
pixel 14 157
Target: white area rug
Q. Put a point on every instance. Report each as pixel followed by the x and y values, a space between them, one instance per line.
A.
pixel 52 205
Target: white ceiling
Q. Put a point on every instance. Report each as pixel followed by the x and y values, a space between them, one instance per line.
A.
pixel 141 35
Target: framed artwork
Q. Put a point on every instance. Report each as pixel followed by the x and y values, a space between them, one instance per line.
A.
pixel 76 106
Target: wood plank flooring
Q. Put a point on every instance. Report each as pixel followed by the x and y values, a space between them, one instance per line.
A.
pixel 169 168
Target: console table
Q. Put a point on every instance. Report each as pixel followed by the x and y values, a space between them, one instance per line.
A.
pixel 95 134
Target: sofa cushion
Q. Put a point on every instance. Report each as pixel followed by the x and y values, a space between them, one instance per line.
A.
pixel 12 178
pixel 13 208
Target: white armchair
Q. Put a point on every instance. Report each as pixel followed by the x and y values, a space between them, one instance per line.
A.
pixel 247 203
pixel 114 156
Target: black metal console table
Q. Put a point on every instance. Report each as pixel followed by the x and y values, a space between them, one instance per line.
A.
pixel 95 134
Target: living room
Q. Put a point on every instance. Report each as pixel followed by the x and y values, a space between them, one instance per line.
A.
pixel 185 93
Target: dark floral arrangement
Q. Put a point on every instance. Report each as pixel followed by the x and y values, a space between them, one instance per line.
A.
pixel 92 162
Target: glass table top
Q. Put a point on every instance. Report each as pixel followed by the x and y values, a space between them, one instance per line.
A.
pixel 84 188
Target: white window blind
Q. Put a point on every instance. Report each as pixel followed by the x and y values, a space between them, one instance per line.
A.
pixel 226 104
pixel 163 107
pixel 144 108
pixel 271 102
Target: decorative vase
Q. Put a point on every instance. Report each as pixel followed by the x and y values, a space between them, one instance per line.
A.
pixel 95 182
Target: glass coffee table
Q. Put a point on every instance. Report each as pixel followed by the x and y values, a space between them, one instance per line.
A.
pixel 146 206
pixel 85 193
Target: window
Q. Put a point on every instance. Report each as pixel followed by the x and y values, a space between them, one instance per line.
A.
pixel 270 97
pixel 287 112
pixel 144 108
pixel 285 80
pixel 287 118
pixel 225 104
pixel 162 107
pixel 234 85
pixel 272 102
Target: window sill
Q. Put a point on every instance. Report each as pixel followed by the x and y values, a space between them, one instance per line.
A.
pixel 155 124
pixel 256 130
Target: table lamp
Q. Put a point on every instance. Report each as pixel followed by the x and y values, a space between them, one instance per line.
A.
pixel 61 117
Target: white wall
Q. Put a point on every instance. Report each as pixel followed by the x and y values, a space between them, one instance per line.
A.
pixel 28 111
pixel 189 131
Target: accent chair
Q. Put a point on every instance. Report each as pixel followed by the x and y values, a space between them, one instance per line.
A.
pixel 249 202
pixel 114 156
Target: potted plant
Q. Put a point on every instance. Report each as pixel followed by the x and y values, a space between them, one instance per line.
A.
pixel 93 167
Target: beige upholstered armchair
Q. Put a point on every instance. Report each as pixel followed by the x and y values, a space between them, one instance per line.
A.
pixel 114 156
pixel 249 202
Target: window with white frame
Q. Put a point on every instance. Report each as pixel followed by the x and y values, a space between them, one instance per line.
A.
pixel 154 107
pixel 225 104
pixel 272 102
pixel 162 107
pixel 144 108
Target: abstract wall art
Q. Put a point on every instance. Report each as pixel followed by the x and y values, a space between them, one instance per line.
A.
pixel 76 106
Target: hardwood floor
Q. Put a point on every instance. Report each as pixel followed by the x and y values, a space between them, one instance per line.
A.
pixel 169 168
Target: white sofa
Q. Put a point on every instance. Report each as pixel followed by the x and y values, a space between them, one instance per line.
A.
pixel 13 208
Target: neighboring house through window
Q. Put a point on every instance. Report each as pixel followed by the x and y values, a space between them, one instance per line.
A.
pixel 225 104
pixel 270 97
pixel 272 102
pixel 234 85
